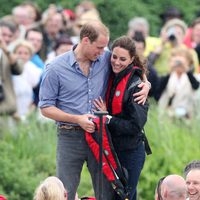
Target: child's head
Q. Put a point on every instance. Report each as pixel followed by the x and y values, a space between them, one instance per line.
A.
pixel 50 189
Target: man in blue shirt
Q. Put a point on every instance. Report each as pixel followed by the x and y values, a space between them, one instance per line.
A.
pixel 70 84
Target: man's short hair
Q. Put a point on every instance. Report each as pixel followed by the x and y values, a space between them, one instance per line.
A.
pixel 10 25
pixel 93 29
pixel 35 29
pixel 195 164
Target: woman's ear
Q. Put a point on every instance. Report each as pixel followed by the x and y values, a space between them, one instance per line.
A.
pixel 132 59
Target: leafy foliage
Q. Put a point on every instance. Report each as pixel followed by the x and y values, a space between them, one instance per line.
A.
pixel 27 155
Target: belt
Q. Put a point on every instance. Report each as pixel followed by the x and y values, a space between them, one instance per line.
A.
pixel 69 127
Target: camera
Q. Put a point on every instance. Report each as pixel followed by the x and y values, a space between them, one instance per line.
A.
pixel 171 34
pixel 178 63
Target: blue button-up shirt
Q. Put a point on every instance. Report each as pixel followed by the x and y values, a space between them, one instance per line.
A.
pixel 66 87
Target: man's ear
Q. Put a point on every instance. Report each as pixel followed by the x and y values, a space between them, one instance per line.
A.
pixel 85 40
pixel 165 194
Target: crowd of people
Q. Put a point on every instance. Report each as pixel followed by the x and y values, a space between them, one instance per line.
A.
pixel 169 187
pixel 63 62
pixel 172 58
pixel 176 187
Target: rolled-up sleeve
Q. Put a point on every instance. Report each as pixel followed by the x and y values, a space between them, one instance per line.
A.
pixel 49 88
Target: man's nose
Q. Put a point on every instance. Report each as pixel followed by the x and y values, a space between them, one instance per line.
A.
pixel 190 186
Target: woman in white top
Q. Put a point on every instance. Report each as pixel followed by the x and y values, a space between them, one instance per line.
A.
pixel 24 83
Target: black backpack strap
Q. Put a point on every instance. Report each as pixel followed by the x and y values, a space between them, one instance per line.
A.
pixel 146 144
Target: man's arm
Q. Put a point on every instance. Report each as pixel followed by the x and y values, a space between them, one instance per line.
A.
pixel 141 96
pixel 58 115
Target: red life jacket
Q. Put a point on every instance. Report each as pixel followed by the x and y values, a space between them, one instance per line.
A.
pixel 119 92
pixel 94 146
pixel 111 167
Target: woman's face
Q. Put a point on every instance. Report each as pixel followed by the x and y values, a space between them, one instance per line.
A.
pixel 179 64
pixel 120 59
pixel 23 53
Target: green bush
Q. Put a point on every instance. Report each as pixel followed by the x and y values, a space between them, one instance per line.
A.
pixel 28 154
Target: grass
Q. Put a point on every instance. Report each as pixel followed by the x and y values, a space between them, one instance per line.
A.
pixel 28 153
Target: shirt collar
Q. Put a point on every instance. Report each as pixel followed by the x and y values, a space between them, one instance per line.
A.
pixel 73 59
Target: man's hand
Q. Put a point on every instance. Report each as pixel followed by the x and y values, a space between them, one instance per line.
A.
pixel 86 123
pixel 141 96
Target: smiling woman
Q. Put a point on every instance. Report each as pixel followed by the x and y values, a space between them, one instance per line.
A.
pixel 126 118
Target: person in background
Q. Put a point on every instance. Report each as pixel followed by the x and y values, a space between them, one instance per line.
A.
pixel 152 75
pixel 171 187
pixel 70 84
pixel 51 189
pixel 126 118
pixel 157 195
pixel 34 13
pixel 21 17
pixel 35 37
pixel 172 36
pixel 177 89
pixel 9 65
pixel 192 37
pixel 192 177
pixel 140 24
pixel 52 28
pixel 171 13
pixel 8 30
pixel 24 83
pixel 63 44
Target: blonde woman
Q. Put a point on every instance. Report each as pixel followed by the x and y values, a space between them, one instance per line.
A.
pixel 25 83
pixel 177 89
pixel 50 189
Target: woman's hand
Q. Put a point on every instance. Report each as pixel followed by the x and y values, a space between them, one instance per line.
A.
pixel 100 104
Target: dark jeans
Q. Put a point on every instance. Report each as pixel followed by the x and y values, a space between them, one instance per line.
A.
pixel 72 152
pixel 133 161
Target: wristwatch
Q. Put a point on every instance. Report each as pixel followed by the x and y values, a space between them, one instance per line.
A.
pixel 109 117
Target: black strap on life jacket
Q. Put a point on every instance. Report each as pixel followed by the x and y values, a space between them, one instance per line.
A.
pixel 146 143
